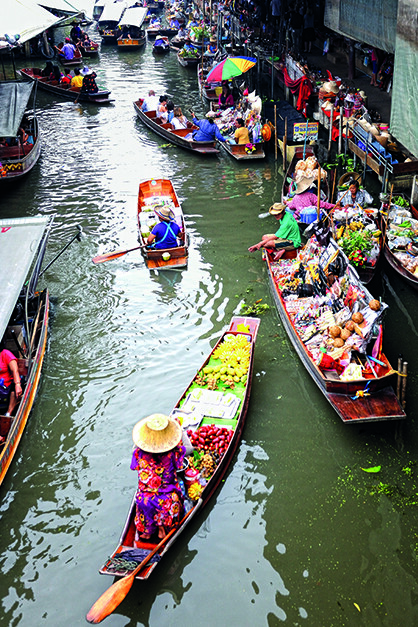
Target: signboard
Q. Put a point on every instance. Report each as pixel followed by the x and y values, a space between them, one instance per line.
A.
pixel 299 131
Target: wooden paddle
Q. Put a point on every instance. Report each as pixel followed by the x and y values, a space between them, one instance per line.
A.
pixel 114 595
pixel 115 254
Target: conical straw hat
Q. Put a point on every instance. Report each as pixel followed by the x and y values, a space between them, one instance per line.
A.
pixel 157 433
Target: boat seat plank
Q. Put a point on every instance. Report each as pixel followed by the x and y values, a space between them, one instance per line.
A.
pixel 15 152
pixel 382 406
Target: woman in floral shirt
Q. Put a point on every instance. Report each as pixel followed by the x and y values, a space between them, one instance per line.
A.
pixel 157 458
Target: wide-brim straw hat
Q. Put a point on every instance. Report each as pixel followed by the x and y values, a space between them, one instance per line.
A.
pixel 213 40
pixel 157 433
pixel 277 208
pixel 304 183
pixel 211 114
pixel 164 212
pixel 85 71
pixel 331 86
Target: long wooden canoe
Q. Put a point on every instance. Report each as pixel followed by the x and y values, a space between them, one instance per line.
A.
pixel 177 137
pixel 156 192
pixel 370 398
pixel 17 158
pixel 132 44
pixel 34 74
pixel 188 61
pixel 240 329
pixel 393 260
pixel 25 336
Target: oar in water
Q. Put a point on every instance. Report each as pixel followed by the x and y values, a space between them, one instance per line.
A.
pixel 115 254
pixel 114 595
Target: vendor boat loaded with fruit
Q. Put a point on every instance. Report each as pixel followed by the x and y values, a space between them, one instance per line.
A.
pixel 212 412
pixel 335 326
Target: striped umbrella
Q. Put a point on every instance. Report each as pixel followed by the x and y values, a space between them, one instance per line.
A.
pixel 230 67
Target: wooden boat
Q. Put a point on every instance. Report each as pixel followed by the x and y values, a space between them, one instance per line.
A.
pixel 177 43
pixel 240 329
pixel 240 152
pixel 153 31
pixel 394 261
pixel 133 35
pixel 366 399
pixel 189 59
pixel 109 20
pixel 177 137
pixel 152 193
pixel 209 91
pixel 17 158
pixel 65 91
pixel 161 45
pixel 90 50
pixel 24 315
pixel 77 60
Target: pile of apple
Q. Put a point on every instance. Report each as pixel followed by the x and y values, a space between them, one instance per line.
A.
pixel 211 438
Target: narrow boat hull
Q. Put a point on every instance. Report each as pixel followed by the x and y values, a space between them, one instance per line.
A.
pixel 177 137
pixel 399 268
pixel 154 258
pixel 132 44
pixel 19 421
pixel 237 151
pixel 382 404
pixel 127 539
pixel 17 161
pixel 53 87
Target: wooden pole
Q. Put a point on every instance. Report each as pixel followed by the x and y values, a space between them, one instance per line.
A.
pixel 272 74
pixel 318 209
pixel 285 146
pixel 403 392
pixel 330 128
pixel 275 132
pixel 398 382
pixel 340 135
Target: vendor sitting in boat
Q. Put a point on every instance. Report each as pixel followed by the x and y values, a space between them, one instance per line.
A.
pixel 165 233
pixel 241 135
pixel 158 457
pixel 208 130
pixel 226 98
pixel 355 196
pixel 287 237
pixel 305 197
pixel 10 384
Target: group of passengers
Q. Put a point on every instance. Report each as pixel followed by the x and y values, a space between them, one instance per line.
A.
pixel 78 79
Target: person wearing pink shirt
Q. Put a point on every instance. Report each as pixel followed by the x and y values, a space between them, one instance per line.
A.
pixel 10 385
pixel 305 197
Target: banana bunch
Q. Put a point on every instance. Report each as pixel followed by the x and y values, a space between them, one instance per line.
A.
pixel 356 226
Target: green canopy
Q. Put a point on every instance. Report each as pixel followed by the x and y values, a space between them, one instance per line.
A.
pixel 14 98
pixel 19 242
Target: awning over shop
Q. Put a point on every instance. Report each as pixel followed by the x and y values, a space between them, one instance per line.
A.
pixel 133 17
pixel 112 12
pixel 26 19
pixel 59 5
pixel 19 242
pixel 14 98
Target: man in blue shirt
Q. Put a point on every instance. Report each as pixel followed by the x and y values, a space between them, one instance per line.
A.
pixel 165 233
pixel 208 130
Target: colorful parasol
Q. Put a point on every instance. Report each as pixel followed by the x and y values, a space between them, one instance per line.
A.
pixel 230 67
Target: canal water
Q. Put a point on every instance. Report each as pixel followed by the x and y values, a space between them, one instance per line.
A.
pixel 299 533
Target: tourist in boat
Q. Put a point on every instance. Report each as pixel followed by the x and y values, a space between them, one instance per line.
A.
pixel 151 102
pixel 208 130
pixel 157 457
pixel 10 384
pixel 76 33
pixel 305 197
pixel 67 78
pixel 355 196
pixel 241 135
pixel 287 237
pixel 68 50
pixel 170 110
pixel 89 84
pixel 56 74
pixel 165 233
pixel 77 80
pixel 179 120
pixel 48 70
pixel 226 98
pixel 162 112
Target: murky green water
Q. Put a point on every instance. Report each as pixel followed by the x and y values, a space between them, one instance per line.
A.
pixel 298 534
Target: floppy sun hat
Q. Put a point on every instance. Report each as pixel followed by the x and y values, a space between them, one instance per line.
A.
pixel 157 433
pixel 304 183
pixel 86 70
pixel 164 212
pixel 277 208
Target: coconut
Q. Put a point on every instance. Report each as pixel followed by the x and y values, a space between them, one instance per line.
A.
pixel 345 334
pixel 335 331
pixel 349 326
pixel 374 304
pixel 166 256
pixel 357 317
pixel 338 342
